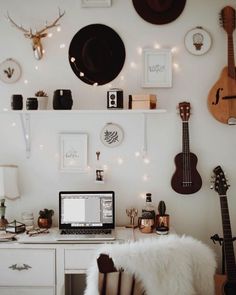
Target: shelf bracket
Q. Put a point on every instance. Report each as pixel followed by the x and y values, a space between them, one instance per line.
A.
pixel 25 123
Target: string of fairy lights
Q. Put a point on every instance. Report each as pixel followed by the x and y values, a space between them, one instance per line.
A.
pixel 143 154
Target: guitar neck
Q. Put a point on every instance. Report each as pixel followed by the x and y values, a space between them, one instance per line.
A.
pixel 228 243
pixel 231 63
pixel 185 138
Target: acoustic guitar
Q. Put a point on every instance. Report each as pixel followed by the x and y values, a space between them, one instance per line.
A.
pixel 222 96
pixel 225 284
pixel 186 179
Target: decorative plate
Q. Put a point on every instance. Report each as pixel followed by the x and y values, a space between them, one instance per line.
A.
pixel 197 41
pixel 10 71
pixel 112 135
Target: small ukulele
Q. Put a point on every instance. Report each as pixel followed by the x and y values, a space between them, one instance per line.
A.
pixel 222 96
pixel 225 284
pixel 186 179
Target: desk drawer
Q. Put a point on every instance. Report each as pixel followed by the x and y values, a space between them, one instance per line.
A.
pixel 78 259
pixel 27 267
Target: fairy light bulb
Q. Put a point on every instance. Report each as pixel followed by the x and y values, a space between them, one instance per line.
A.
pixel 41 147
pixel 133 65
pixel 26 81
pixel 13 124
pixel 145 177
pixel 50 35
pixel 146 160
pixel 137 154
pixel 157 46
pixel 62 46
pixel 81 74
pixel 58 29
pixel 72 59
pixel 174 49
pixel 120 161
pixel 36 68
pixel 140 50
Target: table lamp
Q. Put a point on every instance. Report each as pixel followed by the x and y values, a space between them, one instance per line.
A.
pixel 8 189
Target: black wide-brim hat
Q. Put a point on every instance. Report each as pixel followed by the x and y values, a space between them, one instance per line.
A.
pixel 159 12
pixel 96 54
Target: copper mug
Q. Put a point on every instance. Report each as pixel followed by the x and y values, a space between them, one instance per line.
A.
pixel 146 225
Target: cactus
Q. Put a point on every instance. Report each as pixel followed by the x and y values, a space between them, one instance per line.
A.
pixel 162 208
pixel 41 93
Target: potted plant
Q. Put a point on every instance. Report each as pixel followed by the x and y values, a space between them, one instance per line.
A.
pixel 45 218
pixel 42 99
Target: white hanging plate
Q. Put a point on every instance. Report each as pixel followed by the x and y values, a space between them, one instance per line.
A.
pixel 10 71
pixel 111 135
pixel 197 41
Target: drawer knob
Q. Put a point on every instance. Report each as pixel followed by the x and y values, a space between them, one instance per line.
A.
pixel 20 267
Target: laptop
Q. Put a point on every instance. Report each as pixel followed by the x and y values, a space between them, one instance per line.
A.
pixel 86 215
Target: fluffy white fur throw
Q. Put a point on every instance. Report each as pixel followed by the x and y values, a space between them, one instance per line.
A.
pixel 169 265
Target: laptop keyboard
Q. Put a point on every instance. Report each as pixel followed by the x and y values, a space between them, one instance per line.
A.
pixel 83 231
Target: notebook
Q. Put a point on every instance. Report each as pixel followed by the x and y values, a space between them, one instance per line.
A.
pixel 86 215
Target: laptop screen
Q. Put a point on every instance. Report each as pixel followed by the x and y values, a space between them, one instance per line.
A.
pixel 94 209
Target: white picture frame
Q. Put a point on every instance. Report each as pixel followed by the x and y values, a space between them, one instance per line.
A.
pixel 157 68
pixel 95 3
pixel 73 152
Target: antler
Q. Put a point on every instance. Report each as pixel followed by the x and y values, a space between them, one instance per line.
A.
pixel 54 24
pixel 27 33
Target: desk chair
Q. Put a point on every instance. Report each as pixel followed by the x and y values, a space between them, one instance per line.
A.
pixel 170 265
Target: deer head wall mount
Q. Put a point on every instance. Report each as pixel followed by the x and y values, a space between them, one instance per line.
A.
pixel 38 35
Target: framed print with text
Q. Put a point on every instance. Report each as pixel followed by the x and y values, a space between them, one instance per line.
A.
pixel 73 152
pixel 157 68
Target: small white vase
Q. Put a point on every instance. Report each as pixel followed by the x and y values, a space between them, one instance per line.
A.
pixel 42 102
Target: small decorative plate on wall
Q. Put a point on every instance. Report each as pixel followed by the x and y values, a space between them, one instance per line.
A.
pixel 10 71
pixel 112 135
pixel 197 41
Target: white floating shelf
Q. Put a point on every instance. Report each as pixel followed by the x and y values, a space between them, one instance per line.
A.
pixel 78 112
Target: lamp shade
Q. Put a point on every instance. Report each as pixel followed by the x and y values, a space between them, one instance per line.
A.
pixel 9 182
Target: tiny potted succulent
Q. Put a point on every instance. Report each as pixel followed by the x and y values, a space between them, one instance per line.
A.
pixel 45 218
pixel 42 99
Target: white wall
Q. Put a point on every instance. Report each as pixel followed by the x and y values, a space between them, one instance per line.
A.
pixel 214 143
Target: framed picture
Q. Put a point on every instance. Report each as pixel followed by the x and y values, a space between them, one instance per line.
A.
pixel 95 3
pixel 157 68
pixel 73 152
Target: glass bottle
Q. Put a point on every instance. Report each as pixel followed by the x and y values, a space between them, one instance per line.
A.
pixel 149 209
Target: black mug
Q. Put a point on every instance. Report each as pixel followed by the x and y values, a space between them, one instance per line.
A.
pixel 62 99
pixel 17 102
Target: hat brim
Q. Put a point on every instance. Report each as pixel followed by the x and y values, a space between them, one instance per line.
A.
pixel 159 18
pixel 116 52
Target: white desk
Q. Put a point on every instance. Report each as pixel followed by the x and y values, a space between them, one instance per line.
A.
pixel 37 265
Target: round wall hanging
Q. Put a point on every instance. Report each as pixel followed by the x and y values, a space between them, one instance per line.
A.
pixel 197 41
pixel 10 71
pixel 96 54
pixel 112 135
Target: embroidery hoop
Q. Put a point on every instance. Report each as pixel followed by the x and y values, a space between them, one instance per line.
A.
pixel 199 48
pixel 116 135
pixel 7 64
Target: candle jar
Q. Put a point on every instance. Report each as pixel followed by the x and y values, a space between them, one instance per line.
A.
pixel 17 102
pixel 31 103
